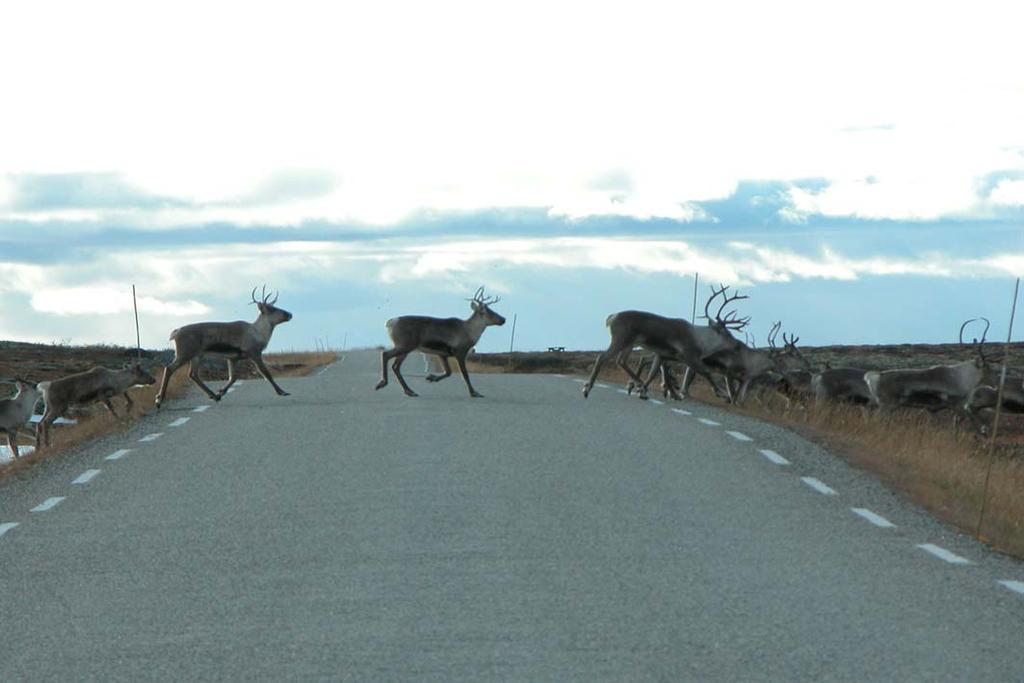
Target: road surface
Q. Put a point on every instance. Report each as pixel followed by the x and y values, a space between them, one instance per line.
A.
pixel 342 533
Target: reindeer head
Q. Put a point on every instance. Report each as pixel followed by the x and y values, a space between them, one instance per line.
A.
pixel 140 376
pixel 789 350
pixel 730 323
pixel 482 306
pixel 274 315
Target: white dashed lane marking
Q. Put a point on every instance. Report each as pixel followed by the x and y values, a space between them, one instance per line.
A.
pixel 7 526
pixel 201 409
pixel 48 504
pixel 85 477
pixel 876 519
pixel 1015 586
pixel 657 402
pixel 117 455
pixel 739 436
pixel 709 423
pixel 680 411
pixel 151 437
pixel 819 486
pixel 943 554
pixel 622 391
pixel 180 421
pixel 603 386
pixel 774 457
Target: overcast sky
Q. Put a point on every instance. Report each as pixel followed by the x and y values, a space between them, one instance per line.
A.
pixel 856 168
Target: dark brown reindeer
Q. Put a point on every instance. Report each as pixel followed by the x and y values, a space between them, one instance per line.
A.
pixel 234 341
pixel 95 385
pixel 441 337
pixel 669 339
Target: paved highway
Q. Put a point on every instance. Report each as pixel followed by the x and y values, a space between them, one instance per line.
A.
pixel 342 533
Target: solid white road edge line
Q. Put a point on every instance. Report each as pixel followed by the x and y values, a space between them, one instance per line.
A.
pixel 7 526
pixel 180 421
pixel 622 391
pixel 774 457
pixel 151 437
pixel 48 504
pixel 943 554
pixel 85 477
pixel 1015 586
pixel 201 409
pixel 709 423
pixel 819 486
pixel 739 436
pixel 876 519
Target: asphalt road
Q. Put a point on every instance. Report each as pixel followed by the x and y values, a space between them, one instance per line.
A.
pixel 342 533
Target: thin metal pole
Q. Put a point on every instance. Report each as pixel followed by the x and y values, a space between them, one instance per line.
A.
pixel 995 420
pixel 138 337
pixel 512 341
pixel 693 315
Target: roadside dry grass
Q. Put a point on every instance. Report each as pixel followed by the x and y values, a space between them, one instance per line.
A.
pixel 95 422
pixel 914 452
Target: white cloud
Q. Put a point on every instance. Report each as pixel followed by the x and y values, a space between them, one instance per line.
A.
pixel 106 301
pixel 1008 192
pixel 461 106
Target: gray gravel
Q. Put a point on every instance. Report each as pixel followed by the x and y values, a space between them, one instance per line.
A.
pixel 343 533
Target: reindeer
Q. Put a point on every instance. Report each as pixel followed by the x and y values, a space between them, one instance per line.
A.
pixel 17 410
pixel 669 339
pixel 745 366
pixel 935 388
pixel 83 388
pixel 441 337
pixel 841 384
pixel 234 341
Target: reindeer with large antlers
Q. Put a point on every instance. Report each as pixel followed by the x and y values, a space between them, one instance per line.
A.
pixel 938 387
pixel 441 337
pixel 670 339
pixel 234 341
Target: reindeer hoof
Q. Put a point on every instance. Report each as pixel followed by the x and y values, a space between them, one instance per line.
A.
pixel 216 397
pixel 283 393
pixel 380 385
pixel 411 393
pixel 586 392
pixel 476 395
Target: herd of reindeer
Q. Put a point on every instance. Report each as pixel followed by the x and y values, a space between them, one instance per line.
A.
pixel 732 367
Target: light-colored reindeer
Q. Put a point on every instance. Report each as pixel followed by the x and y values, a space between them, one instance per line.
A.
pixel 441 337
pixel 234 341
pixel 16 411
pixel 83 388
pixel 935 388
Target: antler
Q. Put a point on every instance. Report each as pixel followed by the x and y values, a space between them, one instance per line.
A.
pixel 790 341
pixel 264 296
pixel 773 333
pixel 730 321
pixel 482 300
pixel 979 344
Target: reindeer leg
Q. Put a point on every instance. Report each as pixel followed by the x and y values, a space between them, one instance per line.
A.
pixel 261 366
pixel 168 371
pixel 385 356
pixel 128 404
pixel 447 370
pixel 397 367
pixel 110 407
pixel 465 376
pixel 622 360
pixel 43 429
pixel 193 374
pixel 12 442
pixel 605 355
pixel 232 376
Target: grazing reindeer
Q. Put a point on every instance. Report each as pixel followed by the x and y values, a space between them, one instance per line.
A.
pixel 935 388
pixel 16 411
pixel 744 366
pixel 669 339
pixel 441 337
pixel 841 384
pixel 83 388
pixel 235 341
